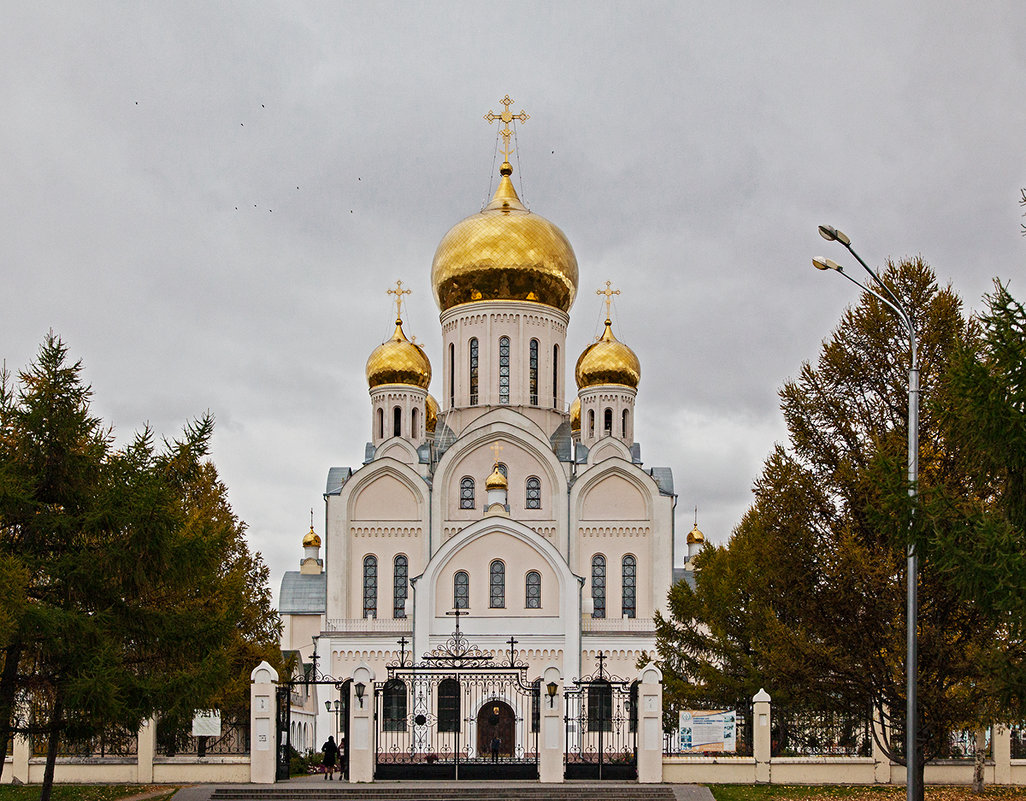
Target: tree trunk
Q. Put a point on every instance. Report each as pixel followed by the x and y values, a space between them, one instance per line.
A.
pixel 51 749
pixel 8 691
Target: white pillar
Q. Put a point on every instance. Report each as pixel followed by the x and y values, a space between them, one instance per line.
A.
pixel 552 734
pixel 882 767
pixel 22 752
pixel 361 726
pixel 761 736
pixel 650 725
pixel 1001 743
pixel 147 742
pixel 262 724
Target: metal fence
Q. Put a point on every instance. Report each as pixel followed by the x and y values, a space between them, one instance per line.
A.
pixel 1018 731
pixel 804 733
pixel 176 741
pixel 113 743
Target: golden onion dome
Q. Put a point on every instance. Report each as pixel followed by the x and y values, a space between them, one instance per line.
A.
pixel 430 414
pixel 496 480
pixel 695 537
pixel 312 539
pixel 575 415
pixel 505 252
pixel 608 361
pixel 398 361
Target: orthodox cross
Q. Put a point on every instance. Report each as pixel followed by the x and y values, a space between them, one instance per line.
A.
pixel 496 450
pixel 403 642
pixel 609 297
pixel 507 117
pixel 512 649
pixel 399 292
pixel 311 518
pixel 601 657
pixel 457 612
pixel 313 658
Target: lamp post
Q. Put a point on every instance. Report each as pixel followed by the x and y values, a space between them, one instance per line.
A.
pixel 831 234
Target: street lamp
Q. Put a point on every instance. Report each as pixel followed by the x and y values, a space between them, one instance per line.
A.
pixel 831 234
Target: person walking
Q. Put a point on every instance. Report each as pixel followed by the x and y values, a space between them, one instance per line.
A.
pixel 330 751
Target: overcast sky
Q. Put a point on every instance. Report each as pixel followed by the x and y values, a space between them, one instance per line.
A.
pixel 207 201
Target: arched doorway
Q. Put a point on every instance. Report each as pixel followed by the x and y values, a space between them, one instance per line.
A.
pixel 496 721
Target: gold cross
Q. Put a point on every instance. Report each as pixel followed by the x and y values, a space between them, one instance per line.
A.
pixel 399 292
pixel 609 296
pixel 496 450
pixel 507 117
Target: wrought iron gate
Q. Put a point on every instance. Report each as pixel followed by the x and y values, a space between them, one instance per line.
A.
pixel 457 714
pixel 601 727
pixel 283 716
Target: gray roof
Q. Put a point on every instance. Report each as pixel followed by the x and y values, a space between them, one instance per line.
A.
pixel 337 476
pixel 582 453
pixel 562 444
pixel 636 453
pixel 303 593
pixel 664 478
pixel 682 574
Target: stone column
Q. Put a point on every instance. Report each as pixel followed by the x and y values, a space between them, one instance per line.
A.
pixel 22 753
pixel 263 750
pixel 552 735
pixel 147 744
pixel 761 736
pixel 1001 745
pixel 361 725
pixel 650 725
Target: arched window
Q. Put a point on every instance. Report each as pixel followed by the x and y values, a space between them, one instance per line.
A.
pixel 397 422
pixel 555 376
pixel 625 413
pixel 591 423
pixel 608 423
pixel 534 372
pixel 473 371
pixel 503 469
pixel 533 590
pixel 413 423
pixel 466 493
pixel 461 590
pixel 370 586
pixel 533 493
pixel 381 423
pixel 504 370
pixel 598 585
pixel 630 585
pixel 497 585
pixel 452 375
pixel 449 705
pixel 393 701
pixel 400 585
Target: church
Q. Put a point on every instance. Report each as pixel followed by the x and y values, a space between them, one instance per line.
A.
pixel 514 509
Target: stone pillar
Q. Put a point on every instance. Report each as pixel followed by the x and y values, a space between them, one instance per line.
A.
pixel 650 725
pixel 761 748
pixel 552 734
pixel 361 725
pixel 147 741
pixel 22 752
pixel 882 768
pixel 1001 745
pixel 263 750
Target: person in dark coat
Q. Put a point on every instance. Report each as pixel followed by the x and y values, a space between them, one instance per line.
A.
pixel 330 757
pixel 496 744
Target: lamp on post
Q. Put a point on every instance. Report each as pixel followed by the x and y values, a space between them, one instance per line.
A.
pixel 551 687
pixel 360 688
pixel 831 234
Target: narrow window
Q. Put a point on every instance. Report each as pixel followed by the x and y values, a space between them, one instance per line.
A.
pixel 497 585
pixel 397 422
pixel 624 433
pixel 461 590
pixel 600 706
pixel 504 370
pixel 394 703
pixel 598 585
pixel 630 586
pixel 381 423
pixel 534 372
pixel 555 376
pixel 449 705
pixel 533 493
pixel 370 586
pixel 467 493
pixel 452 376
pixel 413 423
pixel 608 422
pixel 400 585
pixel 591 423
pixel 535 705
pixel 533 590
pixel 473 372
pixel 633 718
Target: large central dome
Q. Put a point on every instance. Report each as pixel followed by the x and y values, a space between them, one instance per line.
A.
pixel 505 253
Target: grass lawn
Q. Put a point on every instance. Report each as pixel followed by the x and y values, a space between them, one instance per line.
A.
pixel 88 792
pixel 805 792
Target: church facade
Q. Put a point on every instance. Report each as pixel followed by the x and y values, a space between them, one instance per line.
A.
pixel 517 502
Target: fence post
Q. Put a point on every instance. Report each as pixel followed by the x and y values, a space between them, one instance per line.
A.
pixel 882 766
pixel 263 752
pixel 146 740
pixel 22 752
pixel 1001 745
pixel 761 748
pixel 361 730
pixel 650 725
pixel 552 734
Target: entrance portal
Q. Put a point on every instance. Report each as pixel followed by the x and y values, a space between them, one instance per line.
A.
pixel 496 721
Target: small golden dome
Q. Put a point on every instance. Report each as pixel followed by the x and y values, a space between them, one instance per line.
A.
pixel 398 361
pixel 608 361
pixel 496 480
pixel 312 539
pixel 695 537
pixel 575 415
pixel 430 414
pixel 505 252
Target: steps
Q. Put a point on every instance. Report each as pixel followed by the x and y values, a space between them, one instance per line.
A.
pixel 448 791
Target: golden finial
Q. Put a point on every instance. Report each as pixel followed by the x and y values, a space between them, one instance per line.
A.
pixel 399 292
pixel 507 117
pixel 496 450
pixel 609 298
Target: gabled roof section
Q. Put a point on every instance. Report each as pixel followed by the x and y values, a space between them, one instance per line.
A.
pixel 683 574
pixel 562 444
pixel 337 476
pixel 303 593
pixel 664 478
